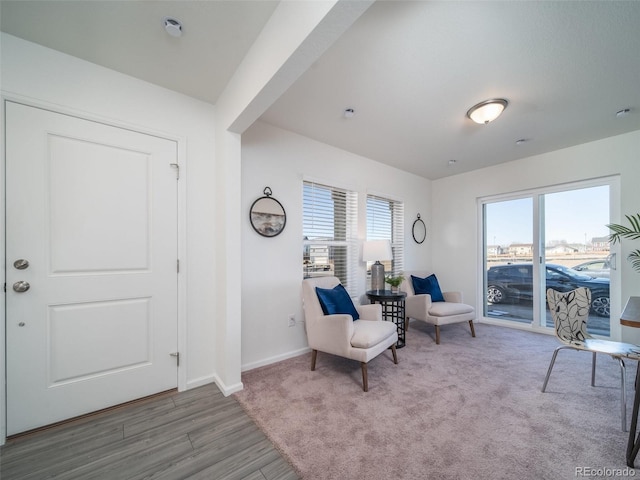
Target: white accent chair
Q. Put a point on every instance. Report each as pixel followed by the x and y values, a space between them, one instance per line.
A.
pixel 339 334
pixel 420 307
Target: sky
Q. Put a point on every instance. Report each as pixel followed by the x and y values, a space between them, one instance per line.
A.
pixel 572 216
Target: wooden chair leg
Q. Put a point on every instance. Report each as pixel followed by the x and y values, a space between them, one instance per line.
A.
pixel 314 355
pixel 406 324
pixel 437 334
pixel 365 380
pixel 473 331
pixel 395 356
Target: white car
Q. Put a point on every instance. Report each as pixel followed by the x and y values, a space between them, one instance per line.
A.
pixel 595 268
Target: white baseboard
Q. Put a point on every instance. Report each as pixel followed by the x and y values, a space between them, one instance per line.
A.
pixel 228 389
pixel 199 382
pixel 275 359
pixel 225 389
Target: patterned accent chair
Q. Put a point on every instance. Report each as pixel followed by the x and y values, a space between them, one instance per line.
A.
pixel 570 311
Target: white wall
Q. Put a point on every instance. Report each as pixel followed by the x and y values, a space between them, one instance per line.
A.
pixel 455 219
pixel 44 77
pixel 272 267
pixel 294 37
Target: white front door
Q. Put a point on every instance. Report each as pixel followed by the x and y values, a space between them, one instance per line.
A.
pixel 91 227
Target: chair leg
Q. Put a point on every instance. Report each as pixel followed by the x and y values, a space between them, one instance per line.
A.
pixel 314 355
pixel 437 334
pixel 623 394
pixel 553 360
pixel 395 355
pixel 473 331
pixel 623 381
pixel 365 380
pixel 406 324
pixel 633 444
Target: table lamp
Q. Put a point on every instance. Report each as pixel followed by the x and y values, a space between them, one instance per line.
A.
pixel 374 251
pixel 631 314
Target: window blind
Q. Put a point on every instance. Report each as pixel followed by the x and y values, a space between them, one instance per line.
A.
pixel 385 221
pixel 329 225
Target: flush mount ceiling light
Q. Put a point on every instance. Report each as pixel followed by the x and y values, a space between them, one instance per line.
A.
pixel 487 111
pixel 172 26
pixel 349 112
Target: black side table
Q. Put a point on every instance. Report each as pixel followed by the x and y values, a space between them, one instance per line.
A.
pixel 392 309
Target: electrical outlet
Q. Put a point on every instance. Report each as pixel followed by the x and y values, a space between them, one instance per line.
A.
pixel 292 320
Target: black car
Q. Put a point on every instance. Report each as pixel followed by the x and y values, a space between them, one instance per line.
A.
pixel 514 282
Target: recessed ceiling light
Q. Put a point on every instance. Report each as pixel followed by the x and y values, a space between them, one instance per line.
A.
pixel 172 26
pixel 349 112
pixel 451 162
pixel 521 141
pixel 623 113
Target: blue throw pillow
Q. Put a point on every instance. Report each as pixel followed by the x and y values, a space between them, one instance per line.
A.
pixel 428 285
pixel 336 300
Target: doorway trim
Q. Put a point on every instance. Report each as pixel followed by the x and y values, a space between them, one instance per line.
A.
pixel 181 231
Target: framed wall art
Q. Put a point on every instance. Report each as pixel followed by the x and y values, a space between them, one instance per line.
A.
pixel 267 215
pixel 419 230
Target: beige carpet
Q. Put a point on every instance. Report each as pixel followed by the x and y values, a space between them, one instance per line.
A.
pixel 470 408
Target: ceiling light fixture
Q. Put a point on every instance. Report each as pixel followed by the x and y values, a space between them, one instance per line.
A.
pixel 172 26
pixel 349 112
pixel 451 162
pixel 487 111
pixel 522 141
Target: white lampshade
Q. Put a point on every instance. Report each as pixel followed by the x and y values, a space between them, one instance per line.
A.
pixel 631 314
pixel 487 111
pixel 374 250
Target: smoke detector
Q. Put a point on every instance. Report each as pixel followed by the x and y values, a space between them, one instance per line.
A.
pixel 172 26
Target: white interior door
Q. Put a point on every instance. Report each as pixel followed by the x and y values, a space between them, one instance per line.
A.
pixel 93 210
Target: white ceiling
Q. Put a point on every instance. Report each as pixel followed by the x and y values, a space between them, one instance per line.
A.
pixel 129 37
pixel 409 69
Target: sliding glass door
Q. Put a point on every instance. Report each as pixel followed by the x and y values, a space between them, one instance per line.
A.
pixel 509 252
pixel 577 239
pixel 552 238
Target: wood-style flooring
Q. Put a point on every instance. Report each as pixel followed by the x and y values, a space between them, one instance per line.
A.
pixel 198 434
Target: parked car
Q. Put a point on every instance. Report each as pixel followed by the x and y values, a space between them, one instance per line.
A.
pixel 595 268
pixel 514 283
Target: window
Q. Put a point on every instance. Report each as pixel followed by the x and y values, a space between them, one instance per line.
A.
pixel 545 234
pixel 329 229
pixel 385 221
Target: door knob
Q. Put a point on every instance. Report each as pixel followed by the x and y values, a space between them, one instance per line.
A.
pixel 21 264
pixel 21 286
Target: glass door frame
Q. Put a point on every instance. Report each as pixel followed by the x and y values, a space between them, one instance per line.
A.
pixel 539 301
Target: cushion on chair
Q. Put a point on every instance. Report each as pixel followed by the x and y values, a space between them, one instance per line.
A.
pixel 336 300
pixel 368 333
pixel 428 285
pixel 447 309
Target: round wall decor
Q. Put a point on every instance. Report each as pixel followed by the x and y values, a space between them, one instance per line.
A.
pixel 267 215
pixel 419 230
